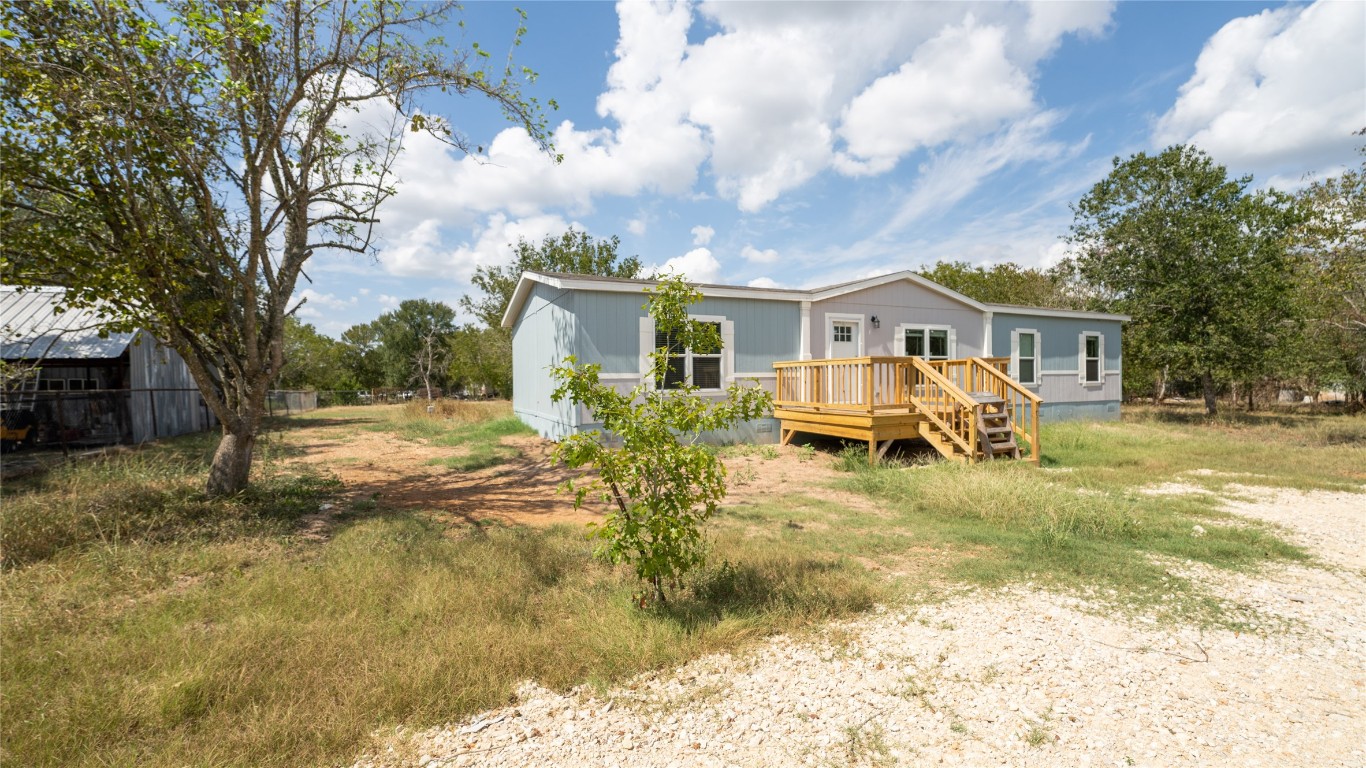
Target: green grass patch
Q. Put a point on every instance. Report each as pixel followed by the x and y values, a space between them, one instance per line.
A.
pixel 1305 451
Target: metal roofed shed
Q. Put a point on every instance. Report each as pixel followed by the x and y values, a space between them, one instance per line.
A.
pixel 88 386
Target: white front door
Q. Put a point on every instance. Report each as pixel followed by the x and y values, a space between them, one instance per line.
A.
pixel 844 341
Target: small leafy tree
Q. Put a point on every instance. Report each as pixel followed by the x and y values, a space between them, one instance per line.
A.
pixel 662 483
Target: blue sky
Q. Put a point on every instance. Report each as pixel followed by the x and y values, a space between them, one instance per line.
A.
pixel 801 144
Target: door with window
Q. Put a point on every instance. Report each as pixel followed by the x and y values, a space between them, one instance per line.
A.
pixel 844 336
pixel 844 382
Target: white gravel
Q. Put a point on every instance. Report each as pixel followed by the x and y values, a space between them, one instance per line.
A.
pixel 1011 678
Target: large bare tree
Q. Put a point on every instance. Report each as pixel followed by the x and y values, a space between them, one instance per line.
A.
pixel 178 164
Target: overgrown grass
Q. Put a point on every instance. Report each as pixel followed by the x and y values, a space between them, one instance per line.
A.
pixel 1155 445
pixel 145 496
pixel 211 647
pixel 206 633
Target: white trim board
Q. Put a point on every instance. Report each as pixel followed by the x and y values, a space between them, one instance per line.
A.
pixel 621 285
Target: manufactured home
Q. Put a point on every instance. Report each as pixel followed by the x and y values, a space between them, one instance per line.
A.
pixel 879 359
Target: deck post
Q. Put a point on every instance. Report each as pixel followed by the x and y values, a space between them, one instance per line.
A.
pixel 868 385
pixel 1035 450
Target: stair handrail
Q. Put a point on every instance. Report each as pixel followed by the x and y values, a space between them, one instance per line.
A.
pixel 1032 436
pixel 967 442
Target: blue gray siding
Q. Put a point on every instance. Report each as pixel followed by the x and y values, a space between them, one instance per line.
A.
pixel 1064 395
pixel 608 330
pixel 543 336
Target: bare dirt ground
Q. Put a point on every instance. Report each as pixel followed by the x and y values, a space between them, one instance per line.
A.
pixel 527 489
pixel 387 468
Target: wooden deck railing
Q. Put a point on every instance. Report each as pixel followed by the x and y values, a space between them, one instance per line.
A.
pixel 991 375
pixel 859 384
pixel 942 390
pixel 946 405
pixel 1022 404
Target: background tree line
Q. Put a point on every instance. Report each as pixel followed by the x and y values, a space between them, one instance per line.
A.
pixel 1231 290
pixel 419 344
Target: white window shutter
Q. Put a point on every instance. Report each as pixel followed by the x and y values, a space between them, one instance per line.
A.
pixel 1100 365
pixel 727 351
pixel 953 343
pixel 899 341
pixel 1015 354
pixel 1081 358
pixel 647 346
pixel 1038 358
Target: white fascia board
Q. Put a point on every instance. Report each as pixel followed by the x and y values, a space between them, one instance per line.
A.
pixel 1076 314
pixel 820 294
pixel 519 295
pixel 588 283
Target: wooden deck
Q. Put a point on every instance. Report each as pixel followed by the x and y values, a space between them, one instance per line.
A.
pixel 968 409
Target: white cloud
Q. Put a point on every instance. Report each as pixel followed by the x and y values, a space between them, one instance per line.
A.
pixel 310 303
pixel 636 227
pixel 423 253
pixel 389 302
pixel 769 95
pixel 698 265
pixel 702 234
pixel 954 173
pixel 763 282
pixel 363 291
pixel 1054 254
pixel 755 256
pixel 1050 21
pixel 1286 84
pixel 959 84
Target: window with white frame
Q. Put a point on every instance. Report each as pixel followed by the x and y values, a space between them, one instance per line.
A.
pixel 1092 354
pixel 702 369
pixel 1024 355
pixel 928 342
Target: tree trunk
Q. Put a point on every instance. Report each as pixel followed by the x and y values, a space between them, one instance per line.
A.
pixel 1211 392
pixel 231 464
pixel 1160 387
pixel 1249 398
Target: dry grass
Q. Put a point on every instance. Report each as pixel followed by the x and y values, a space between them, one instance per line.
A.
pixel 254 646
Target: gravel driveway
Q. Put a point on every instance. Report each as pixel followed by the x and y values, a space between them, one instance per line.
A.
pixel 1018 678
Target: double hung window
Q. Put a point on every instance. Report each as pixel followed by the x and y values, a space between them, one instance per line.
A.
pixel 1090 358
pixel 704 369
pixel 1025 356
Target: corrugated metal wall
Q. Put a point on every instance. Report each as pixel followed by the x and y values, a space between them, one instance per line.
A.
pixel 155 414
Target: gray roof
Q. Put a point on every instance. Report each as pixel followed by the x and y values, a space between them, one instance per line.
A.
pixel 32 327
